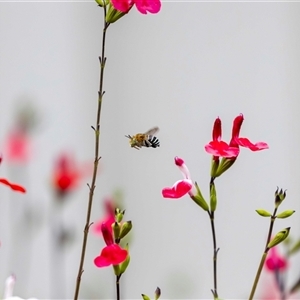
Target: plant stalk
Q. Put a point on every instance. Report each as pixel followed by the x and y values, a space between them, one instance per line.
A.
pixel 96 159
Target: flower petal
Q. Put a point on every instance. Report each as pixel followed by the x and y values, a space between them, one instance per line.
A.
pixel 244 142
pixel 222 149
pixel 178 190
pixel 152 6
pixel 122 5
pixel 110 255
pixel 275 262
pixel 217 130
pixel 13 186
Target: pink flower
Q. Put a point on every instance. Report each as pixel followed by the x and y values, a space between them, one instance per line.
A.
pixel 274 261
pixel 108 219
pixel 143 6
pixel 110 255
pixel 180 187
pixel 219 148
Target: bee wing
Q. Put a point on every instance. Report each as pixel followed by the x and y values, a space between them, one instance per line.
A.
pixel 151 131
pixel 128 136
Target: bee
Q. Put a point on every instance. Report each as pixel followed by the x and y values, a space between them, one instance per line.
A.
pixel 146 139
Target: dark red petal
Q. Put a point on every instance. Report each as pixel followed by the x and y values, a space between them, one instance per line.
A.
pixel 107 234
pixel 13 186
pixel 217 130
pixel 178 190
pixel 122 5
pixel 236 127
pixel 111 255
pixel 178 161
pixel 244 142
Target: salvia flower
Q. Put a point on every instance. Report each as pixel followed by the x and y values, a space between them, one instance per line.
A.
pixel 108 219
pixel 143 6
pixel 275 262
pixel 112 254
pixel 229 152
pixel 180 187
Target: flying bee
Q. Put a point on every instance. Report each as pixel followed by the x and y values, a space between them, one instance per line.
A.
pixel 146 139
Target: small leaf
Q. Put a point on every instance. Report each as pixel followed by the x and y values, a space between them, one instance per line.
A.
pixel 285 214
pixel 263 213
pixel 145 297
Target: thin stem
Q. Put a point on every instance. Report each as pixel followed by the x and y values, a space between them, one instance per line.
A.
pixel 96 159
pixel 215 252
pixel 118 286
pixel 262 261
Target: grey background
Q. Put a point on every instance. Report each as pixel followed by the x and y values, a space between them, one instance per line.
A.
pixel 178 70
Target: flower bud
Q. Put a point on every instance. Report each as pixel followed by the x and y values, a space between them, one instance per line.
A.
pixel 279 196
pixel 145 297
pixel 213 197
pixel 279 237
pixel 119 215
pixel 113 14
pixel 117 270
pixel 101 2
pixel 199 199
pixel 126 227
pixel 157 293
pixel 285 214
pixel 263 213
pixel 116 229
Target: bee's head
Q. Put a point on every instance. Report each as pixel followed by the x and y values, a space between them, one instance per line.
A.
pixel 132 141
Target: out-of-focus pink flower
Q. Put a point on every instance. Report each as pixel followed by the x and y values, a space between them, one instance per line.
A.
pixel 110 255
pixel 274 261
pixel 180 187
pixel 66 174
pixel 108 219
pixel 17 148
pixel 143 6
pixel 219 148
pixel 9 288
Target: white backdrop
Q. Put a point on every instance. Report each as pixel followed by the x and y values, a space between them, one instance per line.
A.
pixel 178 70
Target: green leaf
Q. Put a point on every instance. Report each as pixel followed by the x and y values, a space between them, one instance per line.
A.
pixel 285 214
pixel 145 297
pixel 263 213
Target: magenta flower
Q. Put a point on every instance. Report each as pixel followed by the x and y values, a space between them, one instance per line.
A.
pixel 219 148
pixel 110 255
pixel 180 187
pixel 143 6
pixel 275 262
pixel 108 219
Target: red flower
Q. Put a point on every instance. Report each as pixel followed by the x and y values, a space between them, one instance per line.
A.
pixel 110 255
pixel 109 218
pixel 219 148
pixel 66 174
pixel 275 262
pixel 180 187
pixel 143 6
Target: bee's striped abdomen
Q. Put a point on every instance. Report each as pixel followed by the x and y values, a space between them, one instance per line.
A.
pixel 152 141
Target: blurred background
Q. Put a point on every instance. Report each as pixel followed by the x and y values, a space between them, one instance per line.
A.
pixel 178 70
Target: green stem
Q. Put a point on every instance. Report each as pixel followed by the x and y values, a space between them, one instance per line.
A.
pixel 96 160
pixel 215 253
pixel 262 261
